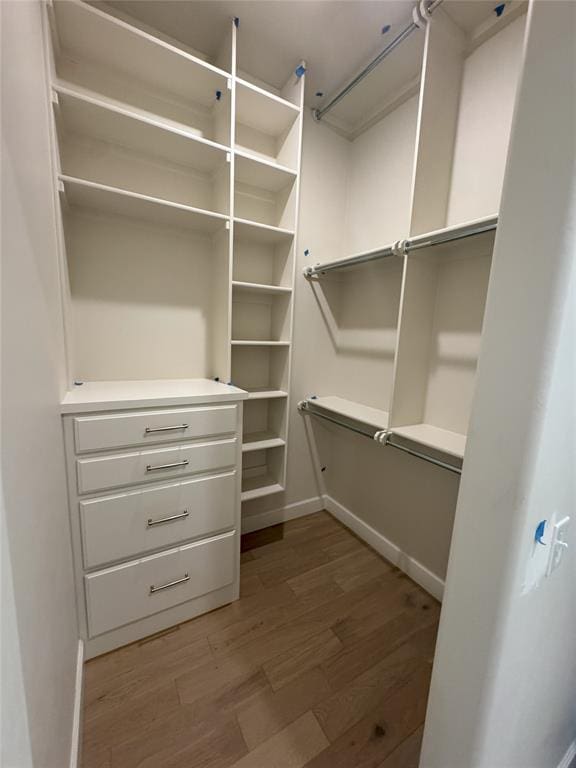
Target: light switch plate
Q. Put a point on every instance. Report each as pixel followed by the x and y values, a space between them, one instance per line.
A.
pixel 558 544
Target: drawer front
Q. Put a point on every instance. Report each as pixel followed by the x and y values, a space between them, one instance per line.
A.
pixel 97 433
pixel 123 526
pixel 117 470
pixel 140 588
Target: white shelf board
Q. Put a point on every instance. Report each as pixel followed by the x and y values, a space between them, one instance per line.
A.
pixel 111 200
pixel 249 343
pixel 258 486
pixel 351 410
pixel 265 234
pixel 265 393
pixel 451 443
pixel 263 110
pixel 261 173
pixel 100 118
pixel 261 441
pixel 110 395
pixel 89 34
pixel 260 287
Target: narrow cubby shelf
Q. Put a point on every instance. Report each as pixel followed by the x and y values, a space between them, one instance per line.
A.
pixel 266 125
pixel 80 193
pixel 264 192
pixel 265 393
pixel 258 441
pixel 257 486
pixel 262 233
pixel 104 53
pixel 260 288
pixel 262 174
pixel 251 343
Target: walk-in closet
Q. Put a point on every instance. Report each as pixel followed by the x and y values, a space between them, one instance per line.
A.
pixel 288 378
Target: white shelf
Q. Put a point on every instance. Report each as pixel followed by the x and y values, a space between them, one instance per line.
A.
pixel 260 441
pixel 88 34
pixel 263 174
pixel 351 410
pixel 258 486
pixel 96 117
pixel 110 200
pixel 260 288
pixel 107 395
pixel 248 343
pixel 261 233
pixel 451 443
pixel 265 393
pixel 263 110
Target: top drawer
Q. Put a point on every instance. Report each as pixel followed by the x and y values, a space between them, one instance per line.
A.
pixel 96 433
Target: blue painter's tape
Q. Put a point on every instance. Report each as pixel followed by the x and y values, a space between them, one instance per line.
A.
pixel 499 10
pixel 300 70
pixel 218 95
pixel 306 252
pixel 386 28
pixel 540 528
pixel 236 22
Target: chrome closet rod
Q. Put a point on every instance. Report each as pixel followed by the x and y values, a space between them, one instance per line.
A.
pixel 362 258
pixel 406 246
pixel 319 113
pixel 425 457
pixel 305 407
pixel 427 241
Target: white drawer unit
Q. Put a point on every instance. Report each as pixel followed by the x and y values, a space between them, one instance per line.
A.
pixel 154 493
pixel 140 588
pixel 113 471
pixel 131 523
pixel 120 430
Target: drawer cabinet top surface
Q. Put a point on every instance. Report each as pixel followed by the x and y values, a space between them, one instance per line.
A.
pixel 94 396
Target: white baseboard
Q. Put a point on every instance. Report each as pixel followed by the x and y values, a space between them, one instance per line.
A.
pixel 412 568
pixel 273 517
pixel 77 714
pixel 566 761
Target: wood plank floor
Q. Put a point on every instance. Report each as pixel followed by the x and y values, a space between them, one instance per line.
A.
pixel 324 662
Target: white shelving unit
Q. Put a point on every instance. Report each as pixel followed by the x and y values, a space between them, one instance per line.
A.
pixel 102 53
pixel 406 332
pixel 179 189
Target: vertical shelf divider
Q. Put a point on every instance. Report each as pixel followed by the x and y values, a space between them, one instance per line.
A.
pixel 273 474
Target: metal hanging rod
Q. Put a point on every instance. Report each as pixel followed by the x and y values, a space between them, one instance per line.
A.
pixel 381 436
pixel 421 13
pixel 404 247
pixel 350 261
pixel 307 407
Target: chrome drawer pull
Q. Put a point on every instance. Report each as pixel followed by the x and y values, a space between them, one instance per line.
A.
pixel 155 467
pixel 149 430
pixel 170 584
pixel 167 519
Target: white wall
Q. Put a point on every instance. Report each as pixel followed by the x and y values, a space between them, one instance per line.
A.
pixel 503 692
pixel 39 629
pixel 489 82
